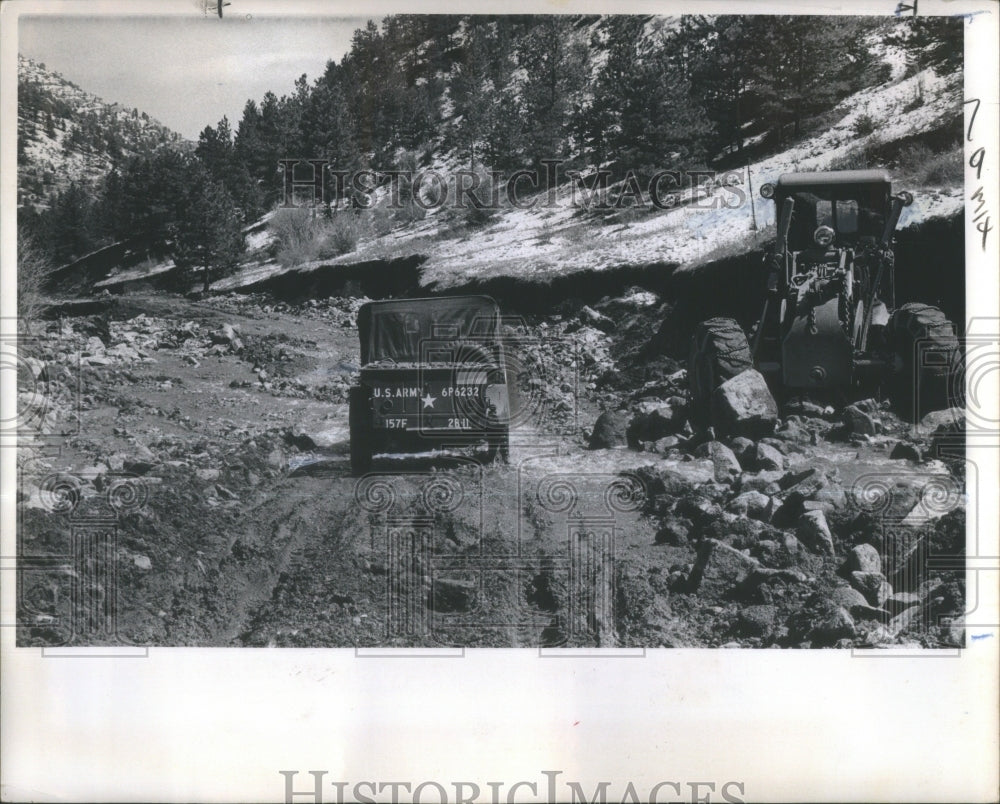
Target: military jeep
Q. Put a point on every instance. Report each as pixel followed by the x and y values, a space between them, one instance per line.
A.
pixel 829 320
pixel 432 377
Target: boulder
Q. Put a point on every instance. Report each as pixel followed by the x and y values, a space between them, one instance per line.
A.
pixel 873 586
pixel 745 451
pixel 727 467
pixel 766 482
pixel 138 467
pixel 859 422
pixel 453 595
pixel 753 504
pixel 898 601
pixel 698 508
pixel 743 406
pixel 864 558
pixel 143 453
pixel 912 619
pixel 94 346
pixel 656 419
pixel 757 621
pixel 831 623
pixel 950 420
pixel 769 459
pixel 848 597
pixel 906 451
pixel 227 334
pixel 719 567
pixel 609 430
pixel 36 366
pixel 225 493
pixel 814 532
pixel 673 531
pixel 276 458
pixel 805 491
pixel 591 318
pixel 660 481
pixel 663 445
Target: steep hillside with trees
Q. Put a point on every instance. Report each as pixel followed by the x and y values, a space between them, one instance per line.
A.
pixel 628 95
pixel 68 136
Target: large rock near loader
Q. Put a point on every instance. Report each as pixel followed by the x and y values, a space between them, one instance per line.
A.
pixel 609 430
pixel 743 406
pixel 725 464
pixel 656 419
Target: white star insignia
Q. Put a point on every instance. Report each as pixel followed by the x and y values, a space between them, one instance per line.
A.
pixel 428 400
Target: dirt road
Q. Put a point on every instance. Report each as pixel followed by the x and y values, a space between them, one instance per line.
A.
pixel 228 420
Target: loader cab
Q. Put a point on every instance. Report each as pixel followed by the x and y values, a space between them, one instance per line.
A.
pixel 836 208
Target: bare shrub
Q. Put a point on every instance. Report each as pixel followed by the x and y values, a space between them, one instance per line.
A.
pixel 292 228
pixel 343 232
pixel 925 167
pixel 33 271
pixel 381 219
pixel 303 236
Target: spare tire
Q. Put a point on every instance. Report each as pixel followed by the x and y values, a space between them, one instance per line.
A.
pixel 928 361
pixel 719 351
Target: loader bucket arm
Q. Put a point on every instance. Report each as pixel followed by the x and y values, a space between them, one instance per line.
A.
pixel 898 202
pixel 781 249
pixel 778 269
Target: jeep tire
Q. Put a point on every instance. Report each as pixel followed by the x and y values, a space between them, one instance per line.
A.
pixel 498 446
pixel 362 436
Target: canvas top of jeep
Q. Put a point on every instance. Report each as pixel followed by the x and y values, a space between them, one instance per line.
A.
pixel 439 330
pixel 854 203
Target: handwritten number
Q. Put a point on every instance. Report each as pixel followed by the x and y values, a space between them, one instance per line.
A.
pixel 972 118
pixel 976 161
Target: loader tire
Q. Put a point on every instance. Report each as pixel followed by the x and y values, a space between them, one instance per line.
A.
pixel 928 373
pixel 719 351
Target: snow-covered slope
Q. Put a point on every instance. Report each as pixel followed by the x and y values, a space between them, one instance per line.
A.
pixel 68 135
pixel 543 243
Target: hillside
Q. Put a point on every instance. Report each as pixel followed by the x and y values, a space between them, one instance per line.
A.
pixel 66 134
pixel 550 241
pixel 631 97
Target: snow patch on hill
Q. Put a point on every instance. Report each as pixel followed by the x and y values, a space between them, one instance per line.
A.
pixel 548 241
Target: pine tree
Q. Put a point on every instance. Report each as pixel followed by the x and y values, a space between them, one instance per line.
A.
pixel 209 233
pixel 936 42
pixel 555 61
pixel 72 224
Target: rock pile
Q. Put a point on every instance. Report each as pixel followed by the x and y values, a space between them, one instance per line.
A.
pixel 779 538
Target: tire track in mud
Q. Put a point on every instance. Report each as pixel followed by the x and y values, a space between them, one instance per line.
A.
pixel 299 518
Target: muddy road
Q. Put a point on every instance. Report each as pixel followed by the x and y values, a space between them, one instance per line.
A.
pixel 207 443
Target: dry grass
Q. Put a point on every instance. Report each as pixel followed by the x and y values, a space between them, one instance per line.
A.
pixel 925 168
